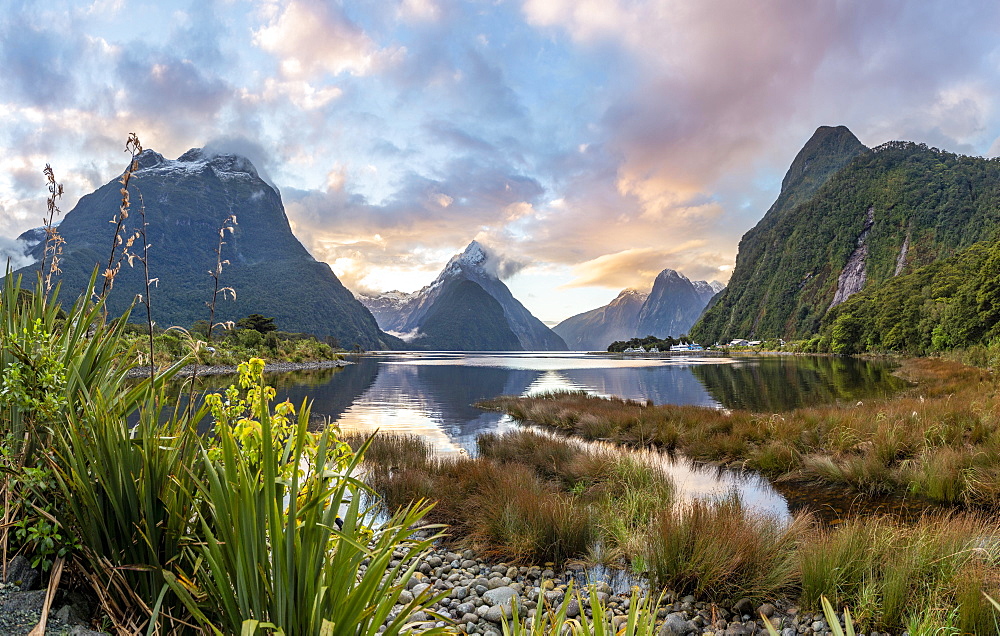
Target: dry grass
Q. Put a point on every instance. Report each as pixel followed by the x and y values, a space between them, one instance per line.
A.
pixel 939 440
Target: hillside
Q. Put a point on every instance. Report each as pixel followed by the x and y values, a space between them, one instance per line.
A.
pixel 186 201
pixel 884 213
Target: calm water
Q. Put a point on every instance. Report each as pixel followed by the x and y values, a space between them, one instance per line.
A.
pixel 432 395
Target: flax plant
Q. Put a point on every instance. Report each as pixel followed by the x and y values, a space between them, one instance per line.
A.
pixel 53 241
pixel 271 555
pixel 228 225
pixel 640 620
pixel 133 146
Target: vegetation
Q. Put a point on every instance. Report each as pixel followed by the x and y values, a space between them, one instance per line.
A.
pixel 663 344
pixel 936 202
pixel 233 531
pixel 940 441
pixel 922 576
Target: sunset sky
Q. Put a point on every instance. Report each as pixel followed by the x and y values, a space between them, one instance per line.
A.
pixel 592 143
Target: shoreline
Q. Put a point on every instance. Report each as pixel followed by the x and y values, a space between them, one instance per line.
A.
pixel 227 369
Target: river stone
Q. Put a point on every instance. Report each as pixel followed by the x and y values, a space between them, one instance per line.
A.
pixel 788 631
pixel 468 564
pixel 469 617
pixel 767 609
pixel 466 608
pixel 420 588
pixel 497 613
pixel 418 617
pixel 405 597
pixel 500 596
pixel 572 608
pixel 459 592
pixel 434 561
pixel 819 626
pixel 675 625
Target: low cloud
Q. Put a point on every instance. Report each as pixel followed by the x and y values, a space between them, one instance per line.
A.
pixel 13 253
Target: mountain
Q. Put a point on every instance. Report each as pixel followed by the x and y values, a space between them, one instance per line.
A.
pixel 674 304
pixel 883 213
pixel 594 330
pixel 408 314
pixel 186 201
pixel 466 318
pixel 669 309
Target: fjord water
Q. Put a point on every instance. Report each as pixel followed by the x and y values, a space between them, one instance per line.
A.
pixel 431 394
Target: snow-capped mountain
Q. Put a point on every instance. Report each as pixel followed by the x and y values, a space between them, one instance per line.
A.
pixel 408 314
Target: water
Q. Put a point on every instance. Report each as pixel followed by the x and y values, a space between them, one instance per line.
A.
pixel 431 394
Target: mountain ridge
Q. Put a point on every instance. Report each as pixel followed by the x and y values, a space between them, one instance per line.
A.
pixel 186 201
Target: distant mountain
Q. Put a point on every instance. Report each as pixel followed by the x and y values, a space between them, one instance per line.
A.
pixel 849 220
pixel 410 314
pixel 594 330
pixel 669 309
pixel 186 201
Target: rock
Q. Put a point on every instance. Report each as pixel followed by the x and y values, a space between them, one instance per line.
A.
pixel 469 617
pixel 23 602
pixel 512 573
pixel 736 629
pixel 819 626
pixel 468 563
pixel 68 614
pixel 767 609
pixel 497 613
pixel 80 630
pixel 572 608
pixel 434 561
pixel 788 631
pixel 418 617
pixel 675 625
pixel 459 592
pixel 420 588
pixel 466 608
pixel 743 606
pixel 405 597
pixel 21 574
pixel 500 596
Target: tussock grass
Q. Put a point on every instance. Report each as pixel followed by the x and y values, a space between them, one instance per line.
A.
pixel 892 574
pixel 528 496
pixel 721 550
pixel 939 440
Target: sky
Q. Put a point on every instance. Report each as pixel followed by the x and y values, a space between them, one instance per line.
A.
pixel 591 143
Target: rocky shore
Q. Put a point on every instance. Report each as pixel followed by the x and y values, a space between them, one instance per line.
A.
pixel 224 369
pixel 481 595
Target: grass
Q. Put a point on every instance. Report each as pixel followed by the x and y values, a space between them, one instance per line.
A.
pixel 939 440
pixel 893 574
pixel 720 550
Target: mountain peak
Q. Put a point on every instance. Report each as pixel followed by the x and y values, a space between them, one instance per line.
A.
pixel 668 274
pixel 829 148
pixel 474 254
pixel 196 160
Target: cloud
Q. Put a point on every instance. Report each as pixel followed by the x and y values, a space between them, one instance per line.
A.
pixel 311 38
pixel 13 253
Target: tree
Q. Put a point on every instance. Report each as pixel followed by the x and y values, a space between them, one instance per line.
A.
pixel 258 323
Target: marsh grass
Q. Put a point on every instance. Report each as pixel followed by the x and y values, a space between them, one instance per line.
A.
pixel 721 550
pixel 894 574
pixel 528 496
pixel 939 440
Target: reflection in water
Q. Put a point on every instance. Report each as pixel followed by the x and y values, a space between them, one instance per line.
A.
pixel 782 383
pixel 432 395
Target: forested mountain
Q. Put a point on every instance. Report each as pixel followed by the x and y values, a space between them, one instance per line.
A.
pixel 669 309
pixel 883 213
pixel 408 314
pixel 186 203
